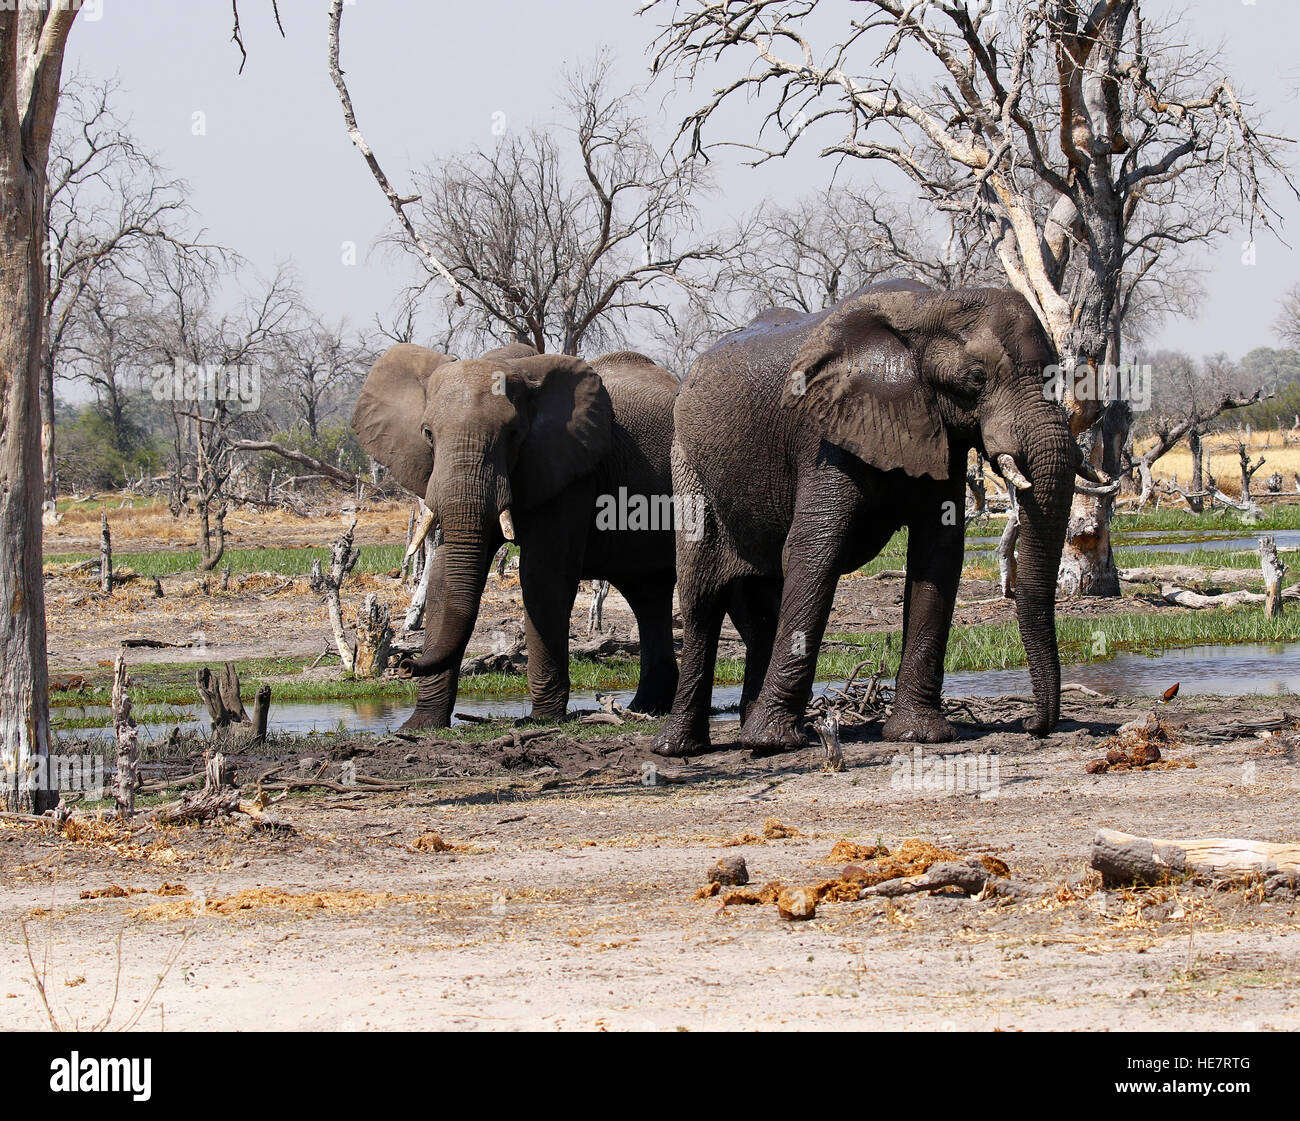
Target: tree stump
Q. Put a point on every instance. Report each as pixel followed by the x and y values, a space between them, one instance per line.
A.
pixel 128 755
pixel 221 696
pixel 374 634
pixel 261 713
pixel 595 612
pixel 1273 570
pixel 343 559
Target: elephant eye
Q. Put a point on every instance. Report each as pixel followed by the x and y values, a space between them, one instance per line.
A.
pixel 428 434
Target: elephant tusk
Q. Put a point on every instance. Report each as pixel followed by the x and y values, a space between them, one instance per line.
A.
pixel 507 525
pixel 1087 471
pixel 1010 472
pixel 421 532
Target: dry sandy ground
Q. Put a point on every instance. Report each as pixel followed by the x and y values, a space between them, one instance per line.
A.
pixel 567 902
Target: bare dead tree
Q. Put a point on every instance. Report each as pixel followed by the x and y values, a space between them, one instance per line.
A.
pixel 812 253
pixel 1059 126
pixel 317 368
pixel 1288 320
pixel 109 202
pixel 563 261
pixel 210 370
pixel 1167 435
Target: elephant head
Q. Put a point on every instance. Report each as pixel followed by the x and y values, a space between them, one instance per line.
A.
pixel 483 441
pixel 909 379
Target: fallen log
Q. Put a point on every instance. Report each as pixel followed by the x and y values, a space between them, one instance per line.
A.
pixel 1125 858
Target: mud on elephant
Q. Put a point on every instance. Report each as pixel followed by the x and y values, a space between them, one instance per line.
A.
pixel 520 446
pixel 813 439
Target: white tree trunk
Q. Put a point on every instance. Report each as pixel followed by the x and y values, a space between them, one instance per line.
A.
pixel 31 58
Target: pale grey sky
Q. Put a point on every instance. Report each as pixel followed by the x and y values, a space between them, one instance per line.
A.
pixel 275 177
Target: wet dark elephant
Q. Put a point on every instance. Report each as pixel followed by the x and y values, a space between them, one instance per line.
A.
pixel 530 448
pixel 813 439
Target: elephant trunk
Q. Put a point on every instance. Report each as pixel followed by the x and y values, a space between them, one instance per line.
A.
pixel 1046 456
pixel 471 495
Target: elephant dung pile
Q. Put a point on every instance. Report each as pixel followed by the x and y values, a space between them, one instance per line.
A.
pixel 1139 746
pixel 914 866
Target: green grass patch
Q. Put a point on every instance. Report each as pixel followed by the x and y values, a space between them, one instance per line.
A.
pixel 1275 516
pixel 997 645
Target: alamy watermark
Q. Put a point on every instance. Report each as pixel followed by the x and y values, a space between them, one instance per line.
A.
pixel 183 380
pixel 626 511
pixel 71 774
pixel 1129 382
pixel 920 772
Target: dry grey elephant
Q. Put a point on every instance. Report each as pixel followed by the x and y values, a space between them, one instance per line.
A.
pixel 520 446
pixel 813 439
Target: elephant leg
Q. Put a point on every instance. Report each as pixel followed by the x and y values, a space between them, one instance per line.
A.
pixel 755 607
pixel 701 594
pixel 652 604
pixel 436 695
pixel 934 559
pixel 549 564
pixel 811 563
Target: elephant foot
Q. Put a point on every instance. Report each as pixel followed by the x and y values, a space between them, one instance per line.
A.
pixel 425 718
pixel 679 739
pixel 771 733
pixel 1038 726
pixel 655 693
pixel 651 706
pixel 912 725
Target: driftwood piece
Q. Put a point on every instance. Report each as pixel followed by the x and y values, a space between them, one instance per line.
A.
pixel 828 729
pixel 1124 858
pixel 128 754
pixel 105 555
pixel 1273 570
pixel 220 693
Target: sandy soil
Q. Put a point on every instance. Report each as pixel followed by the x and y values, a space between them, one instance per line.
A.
pixel 566 900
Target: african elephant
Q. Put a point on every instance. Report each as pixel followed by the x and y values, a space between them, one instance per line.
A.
pixel 813 438
pixel 527 447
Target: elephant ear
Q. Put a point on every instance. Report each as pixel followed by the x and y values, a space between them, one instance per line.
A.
pixel 571 426
pixel 858 380
pixel 389 412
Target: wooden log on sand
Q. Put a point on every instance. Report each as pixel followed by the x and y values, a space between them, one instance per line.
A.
pixel 1125 858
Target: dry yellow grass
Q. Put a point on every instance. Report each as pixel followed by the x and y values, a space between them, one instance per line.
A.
pixel 1220 458
pixel 297 903
pixel 151 521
